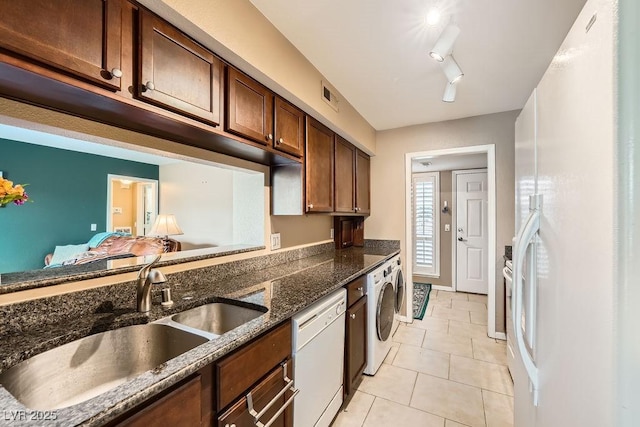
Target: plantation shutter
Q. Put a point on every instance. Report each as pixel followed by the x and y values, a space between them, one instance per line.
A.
pixel 425 191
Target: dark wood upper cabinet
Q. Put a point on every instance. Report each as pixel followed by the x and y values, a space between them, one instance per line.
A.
pixel 249 108
pixel 177 73
pixel 78 37
pixel 289 125
pixel 345 154
pixel 319 162
pixel 363 183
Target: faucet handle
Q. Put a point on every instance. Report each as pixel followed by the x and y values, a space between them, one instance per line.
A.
pixel 144 271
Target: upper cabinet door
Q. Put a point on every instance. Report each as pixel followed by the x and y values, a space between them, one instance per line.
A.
pixel 249 111
pixel 176 72
pixel 289 136
pixel 363 186
pixel 80 37
pixel 344 176
pixel 319 167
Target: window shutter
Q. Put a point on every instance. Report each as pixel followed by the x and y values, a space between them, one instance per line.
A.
pixel 425 191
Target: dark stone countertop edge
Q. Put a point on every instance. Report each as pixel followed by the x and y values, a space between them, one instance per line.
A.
pixel 115 402
pixel 25 280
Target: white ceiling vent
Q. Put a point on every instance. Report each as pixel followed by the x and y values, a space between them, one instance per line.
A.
pixel 328 95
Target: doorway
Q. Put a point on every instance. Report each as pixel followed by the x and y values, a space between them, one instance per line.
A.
pixel 132 204
pixel 448 235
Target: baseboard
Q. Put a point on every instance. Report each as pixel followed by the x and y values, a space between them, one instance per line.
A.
pixel 442 288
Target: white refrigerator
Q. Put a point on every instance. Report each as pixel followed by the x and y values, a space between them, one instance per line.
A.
pixel 563 264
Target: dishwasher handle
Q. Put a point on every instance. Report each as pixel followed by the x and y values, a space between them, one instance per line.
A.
pixel 288 387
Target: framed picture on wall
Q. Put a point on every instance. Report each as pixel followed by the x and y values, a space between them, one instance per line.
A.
pixel 122 230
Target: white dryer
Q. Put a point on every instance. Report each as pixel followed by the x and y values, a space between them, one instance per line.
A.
pixel 381 301
pixel 399 288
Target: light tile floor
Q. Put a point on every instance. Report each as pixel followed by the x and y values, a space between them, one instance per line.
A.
pixel 442 371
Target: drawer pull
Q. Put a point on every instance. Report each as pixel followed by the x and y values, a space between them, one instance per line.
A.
pixel 257 415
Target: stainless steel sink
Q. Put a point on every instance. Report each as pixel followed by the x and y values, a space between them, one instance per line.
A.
pixel 85 368
pixel 216 318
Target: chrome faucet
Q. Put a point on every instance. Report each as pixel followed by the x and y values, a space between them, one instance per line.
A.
pixel 147 277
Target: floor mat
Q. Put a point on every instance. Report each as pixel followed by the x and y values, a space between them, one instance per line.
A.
pixel 420 299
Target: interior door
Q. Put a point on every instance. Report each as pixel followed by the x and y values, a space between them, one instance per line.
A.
pixel 472 245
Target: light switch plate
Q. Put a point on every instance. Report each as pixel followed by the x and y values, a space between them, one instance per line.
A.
pixel 275 241
pixel 447 227
pixel 117 210
pixel 94 227
pixel 331 234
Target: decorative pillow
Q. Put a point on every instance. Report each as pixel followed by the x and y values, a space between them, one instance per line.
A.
pixel 63 253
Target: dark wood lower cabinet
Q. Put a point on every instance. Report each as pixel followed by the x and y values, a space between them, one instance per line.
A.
pixel 355 359
pixel 265 396
pixel 180 407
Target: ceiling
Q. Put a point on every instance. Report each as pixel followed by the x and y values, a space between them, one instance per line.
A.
pixel 375 52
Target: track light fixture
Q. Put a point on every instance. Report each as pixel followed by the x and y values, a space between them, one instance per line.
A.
pixel 451 69
pixel 450 92
pixel 444 45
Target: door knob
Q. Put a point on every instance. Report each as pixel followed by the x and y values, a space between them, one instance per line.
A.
pixel 460 229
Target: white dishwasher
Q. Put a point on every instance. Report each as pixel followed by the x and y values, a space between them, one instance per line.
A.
pixel 318 357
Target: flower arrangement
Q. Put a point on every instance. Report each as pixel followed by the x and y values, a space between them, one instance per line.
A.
pixel 10 193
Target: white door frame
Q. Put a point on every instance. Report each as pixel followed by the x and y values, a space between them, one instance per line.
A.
pixel 490 151
pixel 111 177
pixel 454 222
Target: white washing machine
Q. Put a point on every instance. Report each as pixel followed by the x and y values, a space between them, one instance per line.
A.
pixel 400 291
pixel 381 301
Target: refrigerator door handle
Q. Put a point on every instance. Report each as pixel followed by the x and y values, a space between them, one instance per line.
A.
pixel 524 239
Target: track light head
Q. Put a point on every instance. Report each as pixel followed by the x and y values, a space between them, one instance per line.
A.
pixel 451 70
pixel 444 45
pixel 450 92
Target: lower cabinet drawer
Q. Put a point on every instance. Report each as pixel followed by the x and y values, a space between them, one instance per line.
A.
pixel 269 403
pixel 240 370
pixel 181 407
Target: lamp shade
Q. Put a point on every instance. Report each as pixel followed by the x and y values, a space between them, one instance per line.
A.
pixel 165 225
pixel 450 93
pixel 444 45
pixel 451 69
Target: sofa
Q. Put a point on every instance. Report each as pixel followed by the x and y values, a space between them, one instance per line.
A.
pixel 110 246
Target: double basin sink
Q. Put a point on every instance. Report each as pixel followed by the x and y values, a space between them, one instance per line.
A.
pixel 84 368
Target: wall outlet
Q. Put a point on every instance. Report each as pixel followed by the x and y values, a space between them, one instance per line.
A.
pixel 447 227
pixel 117 210
pixel 94 227
pixel 275 241
pixel 331 233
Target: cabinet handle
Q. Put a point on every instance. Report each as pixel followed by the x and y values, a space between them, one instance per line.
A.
pixel 270 137
pixel 352 315
pixel 360 289
pixel 357 209
pixel 310 206
pixel 288 387
pixel 227 425
pixel 116 72
pixel 150 85
pixel 280 141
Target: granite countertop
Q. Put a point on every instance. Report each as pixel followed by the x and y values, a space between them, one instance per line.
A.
pixel 284 289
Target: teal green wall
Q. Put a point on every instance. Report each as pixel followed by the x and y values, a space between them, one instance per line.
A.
pixel 69 193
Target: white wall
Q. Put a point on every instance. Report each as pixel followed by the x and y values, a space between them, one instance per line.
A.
pixel 209 208
pixel 248 208
pixel 387 220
